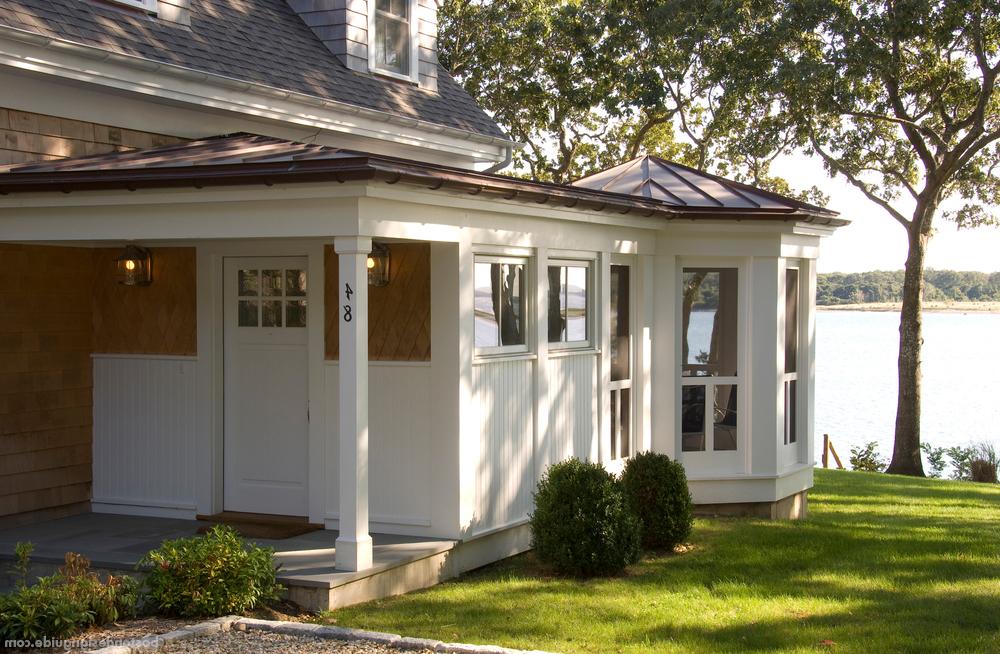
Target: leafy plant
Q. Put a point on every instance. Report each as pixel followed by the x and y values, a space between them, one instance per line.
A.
pixel 22 561
pixel 657 492
pixel 62 604
pixel 964 457
pixel 582 524
pixel 215 574
pixel 867 458
pixel 935 459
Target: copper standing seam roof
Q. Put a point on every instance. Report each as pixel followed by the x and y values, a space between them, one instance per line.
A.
pixel 242 159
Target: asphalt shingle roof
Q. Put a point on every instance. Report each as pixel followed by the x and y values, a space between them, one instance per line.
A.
pixel 259 41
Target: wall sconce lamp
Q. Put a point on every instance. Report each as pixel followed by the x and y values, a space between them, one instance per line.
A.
pixel 135 266
pixel 378 265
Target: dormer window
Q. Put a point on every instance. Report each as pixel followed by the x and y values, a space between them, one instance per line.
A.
pixel 146 5
pixel 394 42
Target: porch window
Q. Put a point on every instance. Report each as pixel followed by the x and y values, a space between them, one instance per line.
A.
pixel 392 24
pixel 500 305
pixel 569 304
pixel 709 362
pixel 791 377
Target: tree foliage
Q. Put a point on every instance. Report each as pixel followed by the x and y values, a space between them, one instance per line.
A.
pixel 887 286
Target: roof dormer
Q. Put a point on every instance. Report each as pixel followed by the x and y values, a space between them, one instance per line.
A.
pixel 390 38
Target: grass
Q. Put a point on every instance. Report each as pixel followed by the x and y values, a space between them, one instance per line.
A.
pixel 883 564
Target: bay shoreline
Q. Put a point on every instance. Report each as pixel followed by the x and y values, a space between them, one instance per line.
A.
pixel 929 307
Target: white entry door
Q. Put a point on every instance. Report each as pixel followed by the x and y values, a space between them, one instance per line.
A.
pixel 266 385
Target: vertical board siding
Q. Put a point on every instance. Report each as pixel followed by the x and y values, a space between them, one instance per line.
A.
pixel 503 394
pixel 399 443
pixel 572 429
pixel 145 432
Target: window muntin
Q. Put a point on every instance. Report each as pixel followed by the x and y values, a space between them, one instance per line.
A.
pixel 792 294
pixel 500 305
pixel 271 297
pixel 569 304
pixel 710 323
pixel 392 39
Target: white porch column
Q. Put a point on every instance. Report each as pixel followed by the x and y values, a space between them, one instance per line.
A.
pixel 354 544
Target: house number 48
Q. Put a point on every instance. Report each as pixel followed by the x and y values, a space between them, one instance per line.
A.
pixel 349 293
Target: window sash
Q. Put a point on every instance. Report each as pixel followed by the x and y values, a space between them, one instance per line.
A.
pixel 148 5
pixel 525 284
pixel 562 296
pixel 381 20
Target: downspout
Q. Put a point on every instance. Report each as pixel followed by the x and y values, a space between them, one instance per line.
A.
pixel 508 157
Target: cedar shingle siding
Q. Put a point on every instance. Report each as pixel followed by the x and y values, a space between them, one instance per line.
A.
pixel 56 307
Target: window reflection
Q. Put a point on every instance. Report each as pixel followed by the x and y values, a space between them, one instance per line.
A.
pixel 499 304
pixel 710 318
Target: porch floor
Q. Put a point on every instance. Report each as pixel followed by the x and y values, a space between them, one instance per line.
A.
pixel 117 542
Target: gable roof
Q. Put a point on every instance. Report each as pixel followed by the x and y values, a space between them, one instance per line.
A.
pixel 259 41
pixel 681 186
pixel 251 159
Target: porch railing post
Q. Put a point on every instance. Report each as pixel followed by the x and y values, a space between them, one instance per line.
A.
pixel 354 544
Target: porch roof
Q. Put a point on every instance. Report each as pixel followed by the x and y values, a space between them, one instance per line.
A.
pixel 244 159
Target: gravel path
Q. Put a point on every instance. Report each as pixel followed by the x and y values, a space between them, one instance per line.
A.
pixel 262 642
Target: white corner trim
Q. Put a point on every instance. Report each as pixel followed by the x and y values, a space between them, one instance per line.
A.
pixel 28 51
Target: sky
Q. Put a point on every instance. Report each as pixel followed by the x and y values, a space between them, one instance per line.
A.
pixel 873 240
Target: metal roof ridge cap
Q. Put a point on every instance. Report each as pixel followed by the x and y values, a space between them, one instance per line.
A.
pixel 93 52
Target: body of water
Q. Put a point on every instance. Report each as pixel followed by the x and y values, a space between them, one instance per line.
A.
pixel 856 379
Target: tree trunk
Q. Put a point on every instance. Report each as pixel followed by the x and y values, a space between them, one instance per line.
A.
pixel 906 458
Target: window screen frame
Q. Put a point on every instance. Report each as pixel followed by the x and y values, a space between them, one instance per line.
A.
pixel 589 343
pixel 413 42
pixel 729 459
pixel 527 319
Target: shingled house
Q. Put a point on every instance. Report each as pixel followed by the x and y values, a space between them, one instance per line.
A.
pixel 256 261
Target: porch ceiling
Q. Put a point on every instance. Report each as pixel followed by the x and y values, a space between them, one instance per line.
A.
pixel 245 159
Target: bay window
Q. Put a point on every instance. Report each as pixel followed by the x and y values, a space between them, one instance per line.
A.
pixel 709 359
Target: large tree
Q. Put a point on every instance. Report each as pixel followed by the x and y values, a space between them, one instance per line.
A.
pixel 898 98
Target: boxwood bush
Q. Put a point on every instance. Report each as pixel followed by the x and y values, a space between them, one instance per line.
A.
pixel 215 574
pixel 658 494
pixel 582 524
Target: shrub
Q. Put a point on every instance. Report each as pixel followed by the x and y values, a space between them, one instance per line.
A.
pixel 935 459
pixel 867 458
pixel 964 458
pixel 582 524
pixel 63 604
pixel 657 492
pixel 984 471
pixel 215 574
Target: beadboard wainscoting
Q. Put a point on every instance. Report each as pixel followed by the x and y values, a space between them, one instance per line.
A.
pixel 400 445
pixel 145 434
pixel 573 410
pixel 503 397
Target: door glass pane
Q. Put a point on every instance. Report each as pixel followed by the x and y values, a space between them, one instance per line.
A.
pixel 621 354
pixel 625 421
pixel 791 319
pixel 295 282
pixel 693 419
pixel 248 282
pixel 247 313
pixel 791 417
pixel 270 313
pixel 487 312
pixel 615 426
pixel 270 282
pixel 709 322
pixel 724 418
pixel 295 313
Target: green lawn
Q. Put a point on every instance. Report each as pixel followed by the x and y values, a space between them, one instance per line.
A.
pixel 882 564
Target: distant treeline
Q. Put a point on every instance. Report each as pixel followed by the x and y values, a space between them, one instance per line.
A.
pixel 887 286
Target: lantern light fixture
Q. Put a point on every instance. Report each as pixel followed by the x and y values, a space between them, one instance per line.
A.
pixel 378 265
pixel 135 266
